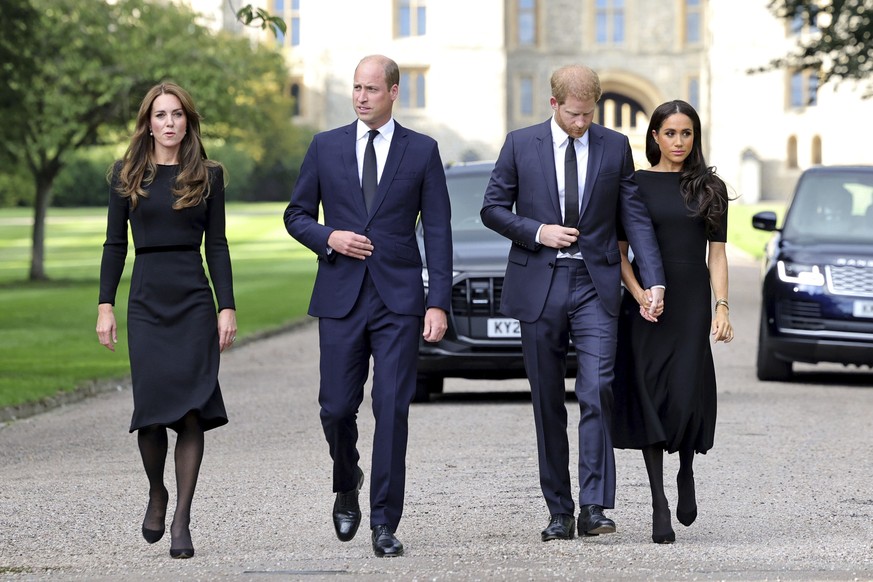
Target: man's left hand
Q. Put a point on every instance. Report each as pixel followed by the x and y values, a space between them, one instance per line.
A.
pixel 435 325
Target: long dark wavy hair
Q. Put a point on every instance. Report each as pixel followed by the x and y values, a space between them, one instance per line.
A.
pixel 137 167
pixel 704 192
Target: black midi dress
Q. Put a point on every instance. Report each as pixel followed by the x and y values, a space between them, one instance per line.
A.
pixel 171 319
pixel 665 387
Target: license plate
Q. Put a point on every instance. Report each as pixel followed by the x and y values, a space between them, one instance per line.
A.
pixel 863 309
pixel 505 327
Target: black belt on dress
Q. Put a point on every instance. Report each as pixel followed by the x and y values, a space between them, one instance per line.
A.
pixel 167 249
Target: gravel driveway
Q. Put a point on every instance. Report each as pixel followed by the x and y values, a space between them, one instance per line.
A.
pixel 784 495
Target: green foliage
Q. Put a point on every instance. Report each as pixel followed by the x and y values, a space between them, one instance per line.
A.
pixel 261 18
pixel 839 44
pixel 75 71
pixel 48 342
pixel 16 186
pixel 82 180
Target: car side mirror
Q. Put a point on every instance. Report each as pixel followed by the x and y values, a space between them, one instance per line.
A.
pixel 764 221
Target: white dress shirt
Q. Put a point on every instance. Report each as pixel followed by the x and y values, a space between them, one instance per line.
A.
pixel 560 141
pixel 381 143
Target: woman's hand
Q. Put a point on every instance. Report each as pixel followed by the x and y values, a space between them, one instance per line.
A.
pixel 107 331
pixel 226 328
pixel 722 331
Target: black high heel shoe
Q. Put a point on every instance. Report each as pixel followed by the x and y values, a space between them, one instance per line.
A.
pixel 662 531
pixel 181 553
pixel 154 535
pixel 687 496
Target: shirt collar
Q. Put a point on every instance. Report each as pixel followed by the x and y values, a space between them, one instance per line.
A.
pixel 386 131
pixel 559 136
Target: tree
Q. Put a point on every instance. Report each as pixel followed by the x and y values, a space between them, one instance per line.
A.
pixel 90 61
pixel 839 45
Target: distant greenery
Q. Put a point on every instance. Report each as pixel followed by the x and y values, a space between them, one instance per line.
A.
pixel 48 343
pixel 740 231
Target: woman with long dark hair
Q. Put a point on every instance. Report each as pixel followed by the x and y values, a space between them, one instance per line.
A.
pixel 173 198
pixel 665 386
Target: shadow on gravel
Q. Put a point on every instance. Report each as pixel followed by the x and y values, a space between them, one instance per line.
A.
pixel 496 397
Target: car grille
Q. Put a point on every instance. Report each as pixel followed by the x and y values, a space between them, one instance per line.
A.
pixel 477 296
pixel 845 280
pixel 805 317
pixel 799 315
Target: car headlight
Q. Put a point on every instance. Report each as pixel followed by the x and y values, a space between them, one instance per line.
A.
pixel 801 274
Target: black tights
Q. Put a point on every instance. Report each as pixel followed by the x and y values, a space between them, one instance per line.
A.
pixel 188 456
pixel 686 507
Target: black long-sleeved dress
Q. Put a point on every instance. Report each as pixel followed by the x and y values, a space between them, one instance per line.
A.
pixel 171 319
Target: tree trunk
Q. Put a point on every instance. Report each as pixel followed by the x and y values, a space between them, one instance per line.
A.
pixel 41 205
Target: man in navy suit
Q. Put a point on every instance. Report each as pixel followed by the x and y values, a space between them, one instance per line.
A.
pixel 372 179
pixel 558 192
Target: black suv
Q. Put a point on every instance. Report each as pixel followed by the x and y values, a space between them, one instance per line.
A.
pixel 480 341
pixel 817 303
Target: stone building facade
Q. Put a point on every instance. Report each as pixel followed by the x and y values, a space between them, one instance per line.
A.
pixel 475 69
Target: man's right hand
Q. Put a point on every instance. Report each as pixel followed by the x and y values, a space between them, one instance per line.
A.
pixel 557 236
pixel 350 244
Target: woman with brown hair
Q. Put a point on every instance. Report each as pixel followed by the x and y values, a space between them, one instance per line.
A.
pixel 665 388
pixel 173 198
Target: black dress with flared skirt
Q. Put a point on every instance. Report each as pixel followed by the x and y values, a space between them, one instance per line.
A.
pixel 665 387
pixel 172 324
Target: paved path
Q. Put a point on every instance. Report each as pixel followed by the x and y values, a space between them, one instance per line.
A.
pixel 785 494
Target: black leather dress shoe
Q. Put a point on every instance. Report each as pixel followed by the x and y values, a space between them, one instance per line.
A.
pixel 385 545
pixel 561 527
pixel 347 511
pixel 592 522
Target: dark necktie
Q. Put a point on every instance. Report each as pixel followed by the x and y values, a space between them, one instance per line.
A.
pixel 571 192
pixel 368 176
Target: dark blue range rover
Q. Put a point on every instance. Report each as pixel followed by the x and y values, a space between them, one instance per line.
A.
pixel 817 303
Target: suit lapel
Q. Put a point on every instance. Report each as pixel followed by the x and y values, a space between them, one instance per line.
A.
pixel 350 163
pixel 595 157
pixel 547 162
pixel 399 141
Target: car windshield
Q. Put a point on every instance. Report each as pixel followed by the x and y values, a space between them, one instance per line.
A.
pixel 832 207
pixel 466 192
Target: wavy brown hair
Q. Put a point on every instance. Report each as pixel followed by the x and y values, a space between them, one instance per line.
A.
pixel 705 194
pixel 137 168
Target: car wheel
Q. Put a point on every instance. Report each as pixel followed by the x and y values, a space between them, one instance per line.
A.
pixel 769 366
pixel 427 385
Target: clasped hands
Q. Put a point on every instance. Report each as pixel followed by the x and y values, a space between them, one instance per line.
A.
pixel 651 300
pixel 651 303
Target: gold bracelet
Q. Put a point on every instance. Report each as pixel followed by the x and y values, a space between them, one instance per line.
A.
pixel 722 302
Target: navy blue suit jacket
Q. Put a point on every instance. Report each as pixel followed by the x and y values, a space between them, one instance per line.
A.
pixel 413 182
pixel 524 180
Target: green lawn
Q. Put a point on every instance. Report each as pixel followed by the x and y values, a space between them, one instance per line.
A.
pixel 48 342
pixel 740 231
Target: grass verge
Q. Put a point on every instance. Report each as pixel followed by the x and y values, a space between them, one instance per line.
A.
pixel 48 342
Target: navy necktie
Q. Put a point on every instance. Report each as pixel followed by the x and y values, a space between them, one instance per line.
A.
pixel 571 192
pixel 368 176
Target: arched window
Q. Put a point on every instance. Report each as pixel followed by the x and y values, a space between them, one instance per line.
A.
pixel 791 154
pixel 816 149
pixel 619 112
